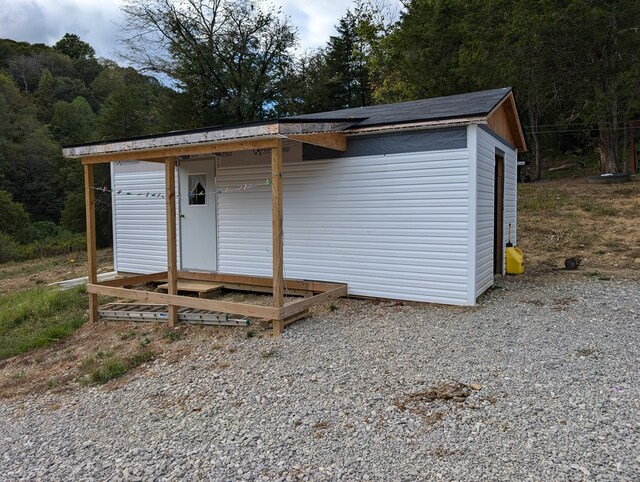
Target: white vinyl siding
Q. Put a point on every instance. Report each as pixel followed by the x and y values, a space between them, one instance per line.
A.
pixel 393 226
pixel 140 220
pixel 486 152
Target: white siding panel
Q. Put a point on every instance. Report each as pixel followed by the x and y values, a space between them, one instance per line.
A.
pixel 140 221
pixel 487 145
pixel 392 226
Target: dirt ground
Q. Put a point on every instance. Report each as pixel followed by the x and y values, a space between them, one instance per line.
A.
pixel 562 218
pixel 556 220
pixel 17 276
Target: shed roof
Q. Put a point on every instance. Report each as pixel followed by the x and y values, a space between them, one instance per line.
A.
pixel 495 107
pixel 472 104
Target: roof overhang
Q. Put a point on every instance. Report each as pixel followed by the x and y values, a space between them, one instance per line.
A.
pixel 209 141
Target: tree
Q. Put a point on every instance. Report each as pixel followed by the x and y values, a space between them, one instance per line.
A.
pixel 337 76
pixel 603 40
pixel 28 154
pixel 73 122
pixel 14 220
pixel 27 69
pixel 347 62
pixel 71 45
pixel 229 58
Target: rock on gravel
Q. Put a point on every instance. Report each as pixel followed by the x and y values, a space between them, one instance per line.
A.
pixel 544 376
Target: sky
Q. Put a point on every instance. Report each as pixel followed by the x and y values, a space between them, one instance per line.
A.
pixel 95 21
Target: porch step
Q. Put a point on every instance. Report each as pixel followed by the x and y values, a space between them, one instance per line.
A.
pixel 138 312
pixel 203 288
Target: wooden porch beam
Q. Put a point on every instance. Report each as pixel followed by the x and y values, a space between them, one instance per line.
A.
pixel 262 281
pixel 135 280
pixel 294 307
pixel 192 150
pixel 90 211
pixel 333 140
pixel 266 312
pixel 276 234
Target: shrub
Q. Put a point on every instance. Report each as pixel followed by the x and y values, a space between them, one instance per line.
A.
pixel 9 249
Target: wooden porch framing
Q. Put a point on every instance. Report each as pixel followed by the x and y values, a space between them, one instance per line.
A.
pixel 280 313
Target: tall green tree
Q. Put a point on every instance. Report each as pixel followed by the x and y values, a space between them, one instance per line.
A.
pixel 73 122
pixel 346 64
pixel 229 58
pixel 28 155
pixel 603 40
pixel 71 46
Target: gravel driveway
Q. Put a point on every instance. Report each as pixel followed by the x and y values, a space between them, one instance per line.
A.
pixel 550 374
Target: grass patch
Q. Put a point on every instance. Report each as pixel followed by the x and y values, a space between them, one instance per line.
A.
pixel 38 317
pixel 598 276
pixel 172 335
pixel 536 199
pixel 597 208
pixel 103 367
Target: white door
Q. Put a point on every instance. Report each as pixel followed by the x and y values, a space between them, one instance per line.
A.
pixel 198 215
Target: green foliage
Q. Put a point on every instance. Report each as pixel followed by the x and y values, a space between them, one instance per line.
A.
pixel 9 248
pixel 28 155
pixel 574 66
pixel 105 366
pixel 52 96
pixel 73 122
pixel 229 59
pixel 71 45
pixel 21 239
pixel 39 317
pixel 172 335
pixel 14 220
pixel 129 111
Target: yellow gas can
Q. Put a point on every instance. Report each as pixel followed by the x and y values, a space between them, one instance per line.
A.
pixel 515 260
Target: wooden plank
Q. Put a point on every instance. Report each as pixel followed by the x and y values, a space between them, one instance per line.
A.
pixel 192 150
pixel 294 307
pixel 193 286
pixel 92 260
pixel 266 312
pixel 135 280
pixel 264 289
pixel 172 253
pixel 296 317
pixel 289 283
pixel 276 232
pixel 334 140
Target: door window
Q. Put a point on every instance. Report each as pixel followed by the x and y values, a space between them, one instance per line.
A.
pixel 197 189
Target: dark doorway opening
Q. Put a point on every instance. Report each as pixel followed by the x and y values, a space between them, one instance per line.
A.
pixel 498 215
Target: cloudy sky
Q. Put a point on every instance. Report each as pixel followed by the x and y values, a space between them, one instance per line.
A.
pixel 46 21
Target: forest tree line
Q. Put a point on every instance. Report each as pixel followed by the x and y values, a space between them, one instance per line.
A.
pixel 574 66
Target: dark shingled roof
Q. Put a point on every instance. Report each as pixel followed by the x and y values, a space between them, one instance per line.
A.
pixel 473 104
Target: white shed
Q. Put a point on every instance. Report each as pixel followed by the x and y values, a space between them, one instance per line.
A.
pixel 408 201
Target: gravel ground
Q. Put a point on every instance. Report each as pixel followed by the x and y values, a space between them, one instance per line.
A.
pixel 551 367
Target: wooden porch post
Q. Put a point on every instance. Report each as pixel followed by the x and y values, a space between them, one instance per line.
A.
pixel 276 217
pixel 632 137
pixel 172 261
pixel 90 211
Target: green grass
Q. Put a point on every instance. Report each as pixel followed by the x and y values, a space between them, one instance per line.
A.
pixel 103 367
pixel 536 199
pixel 597 208
pixel 38 317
